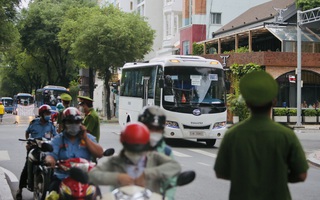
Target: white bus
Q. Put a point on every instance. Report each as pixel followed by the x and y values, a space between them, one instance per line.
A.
pixel 190 89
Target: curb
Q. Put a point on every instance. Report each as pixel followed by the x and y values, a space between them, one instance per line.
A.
pixel 5 192
pixel 314 158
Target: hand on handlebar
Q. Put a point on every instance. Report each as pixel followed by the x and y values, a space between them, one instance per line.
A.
pixel 125 179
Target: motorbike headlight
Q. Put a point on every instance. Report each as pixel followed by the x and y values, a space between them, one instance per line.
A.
pixel 219 125
pixel 172 124
pixel 65 189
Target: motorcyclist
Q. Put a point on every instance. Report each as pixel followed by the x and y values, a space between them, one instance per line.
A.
pixel 74 142
pixel 135 165
pixel 55 115
pixel 155 119
pixel 38 128
pixel 66 100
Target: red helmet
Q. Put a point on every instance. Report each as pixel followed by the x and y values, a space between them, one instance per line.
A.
pixel 71 114
pixel 44 109
pixel 135 137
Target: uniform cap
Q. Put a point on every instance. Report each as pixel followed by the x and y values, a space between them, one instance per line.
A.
pixel 258 88
pixel 85 98
pixel 65 97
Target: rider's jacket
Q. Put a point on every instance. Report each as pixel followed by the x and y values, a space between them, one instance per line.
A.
pixel 36 129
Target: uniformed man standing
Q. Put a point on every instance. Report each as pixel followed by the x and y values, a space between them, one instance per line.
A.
pixel 260 156
pixel 91 120
pixel 66 99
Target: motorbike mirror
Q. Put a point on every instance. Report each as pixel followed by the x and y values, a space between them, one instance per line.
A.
pixel 46 147
pixel 185 178
pixel 108 152
pixel 79 175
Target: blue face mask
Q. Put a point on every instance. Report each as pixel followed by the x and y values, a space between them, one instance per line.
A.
pixel 47 117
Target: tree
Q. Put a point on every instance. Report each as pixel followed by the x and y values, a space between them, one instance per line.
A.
pixel 39 28
pixel 104 38
pixel 307 4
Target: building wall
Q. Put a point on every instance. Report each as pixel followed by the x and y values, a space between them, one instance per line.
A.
pixel 193 33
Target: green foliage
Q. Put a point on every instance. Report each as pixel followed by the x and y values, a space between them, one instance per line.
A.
pixel 292 112
pixel 197 49
pixel 310 112
pixel 307 4
pixel 239 50
pixel 280 111
pixel 74 91
pixel 236 105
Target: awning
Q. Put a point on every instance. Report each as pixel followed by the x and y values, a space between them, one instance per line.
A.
pixel 289 33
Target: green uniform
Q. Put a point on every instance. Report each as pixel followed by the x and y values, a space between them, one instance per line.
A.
pixel 92 123
pixel 257 155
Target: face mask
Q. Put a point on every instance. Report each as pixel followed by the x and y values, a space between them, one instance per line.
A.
pixel 155 138
pixel 72 129
pixel 47 117
pixel 134 157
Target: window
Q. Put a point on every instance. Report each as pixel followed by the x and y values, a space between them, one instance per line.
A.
pixel 186 45
pixel 215 18
pixel 168 24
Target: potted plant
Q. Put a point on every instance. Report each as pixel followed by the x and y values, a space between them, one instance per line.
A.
pixel 280 114
pixel 310 115
pixel 292 112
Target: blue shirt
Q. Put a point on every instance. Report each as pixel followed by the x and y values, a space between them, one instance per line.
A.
pixel 37 129
pixel 64 148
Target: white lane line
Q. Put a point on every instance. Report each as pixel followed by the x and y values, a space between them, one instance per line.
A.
pixel 212 155
pixel 178 154
pixel 11 175
pixel 205 164
pixel 4 155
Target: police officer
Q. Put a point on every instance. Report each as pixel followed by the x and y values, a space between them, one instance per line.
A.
pixel 155 119
pixel 66 100
pixel 91 120
pixel 73 142
pixel 38 128
pixel 258 155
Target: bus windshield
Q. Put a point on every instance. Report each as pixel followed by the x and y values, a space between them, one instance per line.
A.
pixel 194 87
pixel 7 101
pixel 24 99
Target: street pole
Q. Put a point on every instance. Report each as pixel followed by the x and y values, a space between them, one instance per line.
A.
pixel 298 69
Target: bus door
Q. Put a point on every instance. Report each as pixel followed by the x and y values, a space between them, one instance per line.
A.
pixel 145 90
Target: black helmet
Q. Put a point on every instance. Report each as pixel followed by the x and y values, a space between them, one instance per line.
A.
pixel 135 137
pixel 71 114
pixel 153 117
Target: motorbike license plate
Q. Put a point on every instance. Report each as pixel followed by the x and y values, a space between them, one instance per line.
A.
pixel 196 133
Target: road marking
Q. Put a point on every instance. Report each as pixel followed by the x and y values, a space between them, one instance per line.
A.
pixel 4 155
pixel 205 164
pixel 178 154
pixel 212 155
pixel 11 175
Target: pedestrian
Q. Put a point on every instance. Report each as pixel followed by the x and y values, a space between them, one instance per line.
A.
pixel 155 119
pixel 1 111
pixel 135 164
pixel 66 100
pixel 258 155
pixel 91 120
pixel 38 128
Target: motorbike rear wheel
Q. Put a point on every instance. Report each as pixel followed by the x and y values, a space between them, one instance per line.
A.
pixel 41 184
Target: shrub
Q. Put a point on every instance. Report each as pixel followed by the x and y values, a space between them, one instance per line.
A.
pixel 292 112
pixel 280 111
pixel 310 112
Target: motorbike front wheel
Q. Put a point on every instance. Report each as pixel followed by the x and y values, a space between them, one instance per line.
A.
pixel 41 184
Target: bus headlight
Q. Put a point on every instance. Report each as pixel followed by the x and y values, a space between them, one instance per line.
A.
pixel 219 125
pixel 172 124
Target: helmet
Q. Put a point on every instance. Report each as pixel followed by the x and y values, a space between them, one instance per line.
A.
pixel 153 117
pixel 71 114
pixel 60 107
pixel 44 109
pixel 135 137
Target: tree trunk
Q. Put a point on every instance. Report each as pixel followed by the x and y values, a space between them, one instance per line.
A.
pixel 107 86
pixel 91 82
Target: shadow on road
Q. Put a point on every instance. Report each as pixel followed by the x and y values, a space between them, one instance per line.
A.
pixel 187 143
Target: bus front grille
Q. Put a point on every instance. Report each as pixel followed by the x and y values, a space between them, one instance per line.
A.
pixel 196 127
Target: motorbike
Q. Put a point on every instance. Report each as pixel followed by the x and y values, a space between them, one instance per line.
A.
pixel 75 186
pixel 132 192
pixel 38 174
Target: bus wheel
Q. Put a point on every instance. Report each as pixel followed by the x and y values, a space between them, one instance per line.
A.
pixel 210 142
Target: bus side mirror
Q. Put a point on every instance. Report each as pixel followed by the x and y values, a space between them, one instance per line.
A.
pixel 161 83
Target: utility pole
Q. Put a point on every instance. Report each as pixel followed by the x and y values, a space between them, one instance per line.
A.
pixel 305 17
